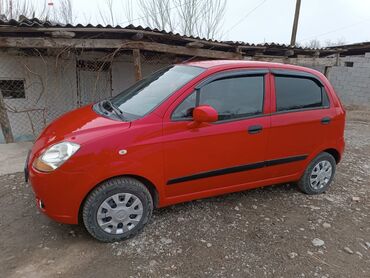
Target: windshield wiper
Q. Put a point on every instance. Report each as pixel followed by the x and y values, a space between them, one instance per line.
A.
pixel 109 106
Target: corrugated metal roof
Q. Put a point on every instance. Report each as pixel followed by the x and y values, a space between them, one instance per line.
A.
pixel 37 23
pixel 27 26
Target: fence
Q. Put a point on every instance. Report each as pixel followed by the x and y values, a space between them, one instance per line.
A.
pixel 38 86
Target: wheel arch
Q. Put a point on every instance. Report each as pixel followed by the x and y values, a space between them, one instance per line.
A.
pixel 148 184
pixel 335 153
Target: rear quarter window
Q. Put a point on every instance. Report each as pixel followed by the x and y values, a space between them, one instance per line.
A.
pixel 299 93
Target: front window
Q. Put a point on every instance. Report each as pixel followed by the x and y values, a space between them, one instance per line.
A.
pixel 233 98
pixel 147 94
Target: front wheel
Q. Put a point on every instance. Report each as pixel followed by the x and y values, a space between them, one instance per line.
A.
pixel 117 209
pixel 318 175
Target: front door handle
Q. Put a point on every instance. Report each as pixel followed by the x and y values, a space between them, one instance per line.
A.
pixel 254 129
pixel 325 120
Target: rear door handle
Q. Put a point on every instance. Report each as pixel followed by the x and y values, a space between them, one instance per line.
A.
pixel 325 120
pixel 253 129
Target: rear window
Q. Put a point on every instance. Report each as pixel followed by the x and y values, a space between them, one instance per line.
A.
pixel 298 93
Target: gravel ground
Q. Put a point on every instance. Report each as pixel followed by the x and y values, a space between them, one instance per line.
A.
pixel 269 232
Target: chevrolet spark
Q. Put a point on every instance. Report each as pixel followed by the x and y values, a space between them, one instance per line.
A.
pixel 185 132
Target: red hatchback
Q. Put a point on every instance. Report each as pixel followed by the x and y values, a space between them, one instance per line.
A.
pixel 185 132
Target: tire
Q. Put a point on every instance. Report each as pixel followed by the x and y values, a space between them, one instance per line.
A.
pixel 117 209
pixel 322 161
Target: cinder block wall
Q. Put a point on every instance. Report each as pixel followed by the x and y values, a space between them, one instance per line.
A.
pixel 351 80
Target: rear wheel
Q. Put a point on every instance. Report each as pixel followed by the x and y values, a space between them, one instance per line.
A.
pixel 318 175
pixel 118 209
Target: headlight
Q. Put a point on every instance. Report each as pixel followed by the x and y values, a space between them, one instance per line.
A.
pixel 55 156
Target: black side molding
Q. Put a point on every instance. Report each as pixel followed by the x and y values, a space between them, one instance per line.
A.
pixel 285 160
pixel 236 169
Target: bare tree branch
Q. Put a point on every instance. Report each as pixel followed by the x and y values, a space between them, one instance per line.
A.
pixel 15 8
pixel 61 12
pixel 128 11
pixel 190 17
pixel 66 11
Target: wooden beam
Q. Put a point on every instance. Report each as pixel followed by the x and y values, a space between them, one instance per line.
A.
pixel 337 59
pixel 37 42
pixel 289 52
pixel 252 47
pixel 138 36
pixel 63 34
pixel 137 64
pixel 4 121
pixel 13 29
pixel 194 45
pixel 327 71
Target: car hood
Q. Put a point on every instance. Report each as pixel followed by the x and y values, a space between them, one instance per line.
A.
pixel 80 125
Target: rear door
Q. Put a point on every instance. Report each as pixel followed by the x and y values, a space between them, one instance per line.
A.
pixel 231 151
pixel 299 121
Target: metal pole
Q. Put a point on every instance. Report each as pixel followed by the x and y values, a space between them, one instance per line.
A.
pixel 295 23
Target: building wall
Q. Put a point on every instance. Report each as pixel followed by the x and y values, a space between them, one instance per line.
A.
pixel 123 71
pixel 53 83
pixel 47 94
pixel 352 82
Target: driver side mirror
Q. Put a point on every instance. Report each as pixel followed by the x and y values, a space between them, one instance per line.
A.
pixel 205 114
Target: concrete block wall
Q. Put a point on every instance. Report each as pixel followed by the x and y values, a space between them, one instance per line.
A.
pixel 352 83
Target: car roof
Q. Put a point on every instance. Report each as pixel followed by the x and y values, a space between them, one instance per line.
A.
pixel 229 64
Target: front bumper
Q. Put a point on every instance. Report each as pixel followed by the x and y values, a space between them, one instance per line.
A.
pixel 59 194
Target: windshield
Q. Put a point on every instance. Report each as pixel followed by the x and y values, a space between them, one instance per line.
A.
pixel 148 93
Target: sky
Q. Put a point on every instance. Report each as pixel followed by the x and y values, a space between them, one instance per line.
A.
pixel 258 21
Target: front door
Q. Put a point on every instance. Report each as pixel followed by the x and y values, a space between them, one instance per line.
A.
pixel 229 152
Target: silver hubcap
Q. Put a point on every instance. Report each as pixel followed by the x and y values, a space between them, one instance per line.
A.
pixel 119 213
pixel 320 174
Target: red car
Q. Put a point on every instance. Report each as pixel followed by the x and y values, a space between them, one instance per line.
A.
pixel 186 132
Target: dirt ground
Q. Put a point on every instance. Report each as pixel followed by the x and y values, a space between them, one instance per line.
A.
pixel 268 232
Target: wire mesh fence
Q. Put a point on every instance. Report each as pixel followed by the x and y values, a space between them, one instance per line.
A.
pixel 39 86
